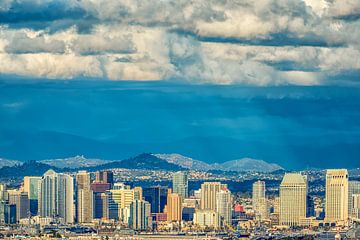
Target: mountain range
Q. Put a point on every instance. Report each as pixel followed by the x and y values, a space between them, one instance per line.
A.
pixel 146 161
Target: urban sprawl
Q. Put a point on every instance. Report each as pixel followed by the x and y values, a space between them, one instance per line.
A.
pixel 95 205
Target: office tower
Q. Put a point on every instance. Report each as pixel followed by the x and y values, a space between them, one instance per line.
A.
pixel 7 213
pixel 3 192
pixel 258 190
pixel 180 184
pixel 293 196
pixel 174 206
pixel 207 218
pixel 224 205
pixel 21 201
pixel 101 205
pixel 354 188
pixel 123 196
pixel 31 186
pixel 56 193
pixel 140 215
pixel 157 197
pixel 336 197
pixel 138 193
pixel 208 194
pixel 260 204
pixel 104 177
pixel 84 198
pixel 355 206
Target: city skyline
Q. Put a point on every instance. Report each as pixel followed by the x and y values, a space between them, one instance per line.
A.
pixel 180 119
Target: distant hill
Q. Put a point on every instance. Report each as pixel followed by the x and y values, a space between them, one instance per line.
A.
pixel 145 161
pixel 31 168
pixel 185 162
pixel 248 164
pixel 240 165
pixel 8 163
pixel 74 162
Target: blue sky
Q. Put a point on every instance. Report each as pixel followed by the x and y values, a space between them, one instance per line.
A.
pixel 214 80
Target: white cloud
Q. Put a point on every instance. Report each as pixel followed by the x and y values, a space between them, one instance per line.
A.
pixel 154 40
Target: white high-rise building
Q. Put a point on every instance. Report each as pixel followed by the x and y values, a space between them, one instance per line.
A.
pixel 208 194
pixel 180 184
pixel 56 196
pixel 207 218
pixel 258 190
pixel 293 196
pixel 336 197
pixel 224 205
pixel 260 204
pixel 123 196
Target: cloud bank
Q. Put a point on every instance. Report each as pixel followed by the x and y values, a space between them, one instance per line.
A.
pixel 275 42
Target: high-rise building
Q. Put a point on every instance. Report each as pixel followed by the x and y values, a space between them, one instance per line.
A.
pixel 104 177
pixel 56 194
pixel 7 213
pixel 31 186
pixel 140 215
pixel 355 206
pixel 354 188
pixel 138 193
pixel 260 204
pixel 123 196
pixel 180 184
pixel 101 205
pixel 21 201
pixel 336 197
pixel 207 218
pixel 3 193
pixel 208 194
pixel 258 190
pixel 224 205
pixel 157 197
pixel 174 206
pixel 84 204
pixel 293 198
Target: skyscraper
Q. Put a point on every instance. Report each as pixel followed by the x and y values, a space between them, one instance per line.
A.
pixel 208 194
pixel 104 177
pixel 84 198
pixel 259 200
pixel 140 215
pixel 224 205
pixel 123 197
pixel 31 186
pixel 354 188
pixel 336 197
pixel 138 193
pixel 293 198
pixel 174 206
pixel 180 184
pixel 258 190
pixel 157 197
pixel 21 201
pixel 56 193
pixel 3 192
pixel 355 206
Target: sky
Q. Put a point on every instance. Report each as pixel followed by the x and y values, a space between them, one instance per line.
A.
pixel 217 80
